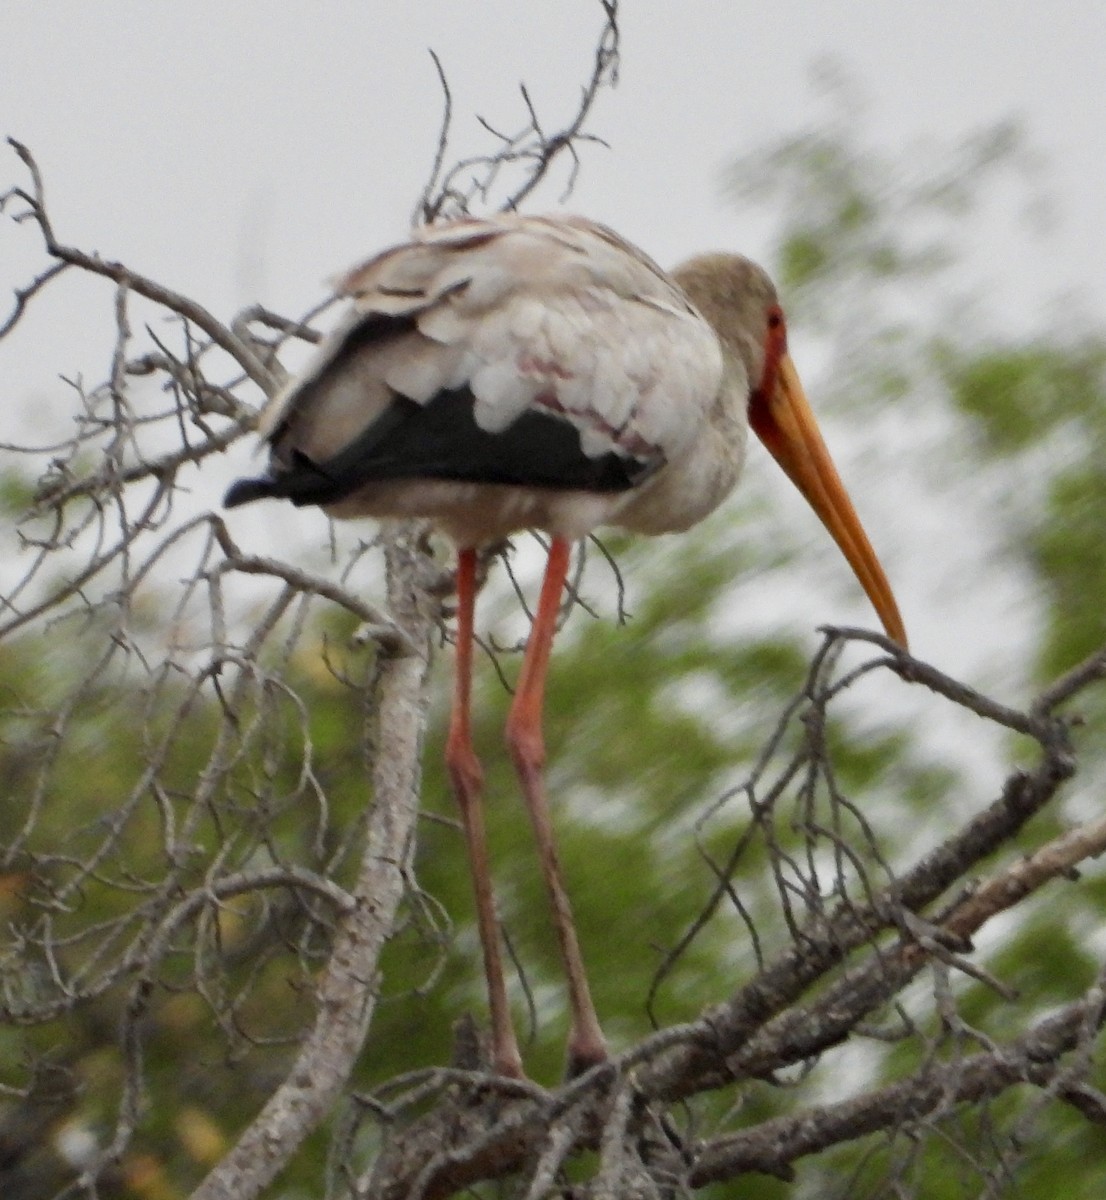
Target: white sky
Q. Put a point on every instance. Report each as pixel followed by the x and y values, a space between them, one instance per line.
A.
pixel 248 149
pixel 239 150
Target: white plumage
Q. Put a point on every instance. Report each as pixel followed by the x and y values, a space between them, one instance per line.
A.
pixel 510 372
pixel 553 316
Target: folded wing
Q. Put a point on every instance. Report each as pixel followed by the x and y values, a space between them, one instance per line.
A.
pixel 520 351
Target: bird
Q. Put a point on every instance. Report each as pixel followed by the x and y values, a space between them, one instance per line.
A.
pixel 509 372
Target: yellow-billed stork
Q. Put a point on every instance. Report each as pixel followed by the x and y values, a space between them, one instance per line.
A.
pixel 539 372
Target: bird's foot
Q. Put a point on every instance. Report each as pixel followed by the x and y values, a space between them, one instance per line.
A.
pixel 582 1054
pixel 474 1049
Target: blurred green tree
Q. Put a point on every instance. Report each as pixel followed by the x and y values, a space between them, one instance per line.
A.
pixel 187 772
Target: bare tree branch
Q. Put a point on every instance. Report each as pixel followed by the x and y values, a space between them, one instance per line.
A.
pixel 773 1146
pixel 213 798
pixel 531 152
pixel 375 623
pixel 125 277
pixel 763 1029
pixel 348 988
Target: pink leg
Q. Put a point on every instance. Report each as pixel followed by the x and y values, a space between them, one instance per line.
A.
pixel 468 781
pixel 524 737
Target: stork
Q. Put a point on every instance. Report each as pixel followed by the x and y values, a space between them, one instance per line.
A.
pixel 540 372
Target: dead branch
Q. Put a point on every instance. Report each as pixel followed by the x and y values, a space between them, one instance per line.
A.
pixel 122 275
pixel 763 1029
pixel 906 1108
pixel 215 852
pixel 530 153
pixel 375 623
pixel 347 990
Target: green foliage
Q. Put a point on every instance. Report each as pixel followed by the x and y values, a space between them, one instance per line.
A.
pixel 850 216
pixel 856 228
pixel 16 493
pixel 1041 410
pixel 652 727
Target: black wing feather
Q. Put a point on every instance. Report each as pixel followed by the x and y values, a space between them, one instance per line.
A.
pixel 436 440
pixel 441 440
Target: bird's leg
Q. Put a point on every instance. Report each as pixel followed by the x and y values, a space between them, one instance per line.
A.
pixel 527 746
pixel 468 782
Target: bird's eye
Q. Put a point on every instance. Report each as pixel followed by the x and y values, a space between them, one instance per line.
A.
pixel 775 318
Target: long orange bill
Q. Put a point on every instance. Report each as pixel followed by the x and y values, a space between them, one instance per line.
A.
pixel 782 418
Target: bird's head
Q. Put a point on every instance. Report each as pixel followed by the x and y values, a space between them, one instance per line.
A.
pixel 739 301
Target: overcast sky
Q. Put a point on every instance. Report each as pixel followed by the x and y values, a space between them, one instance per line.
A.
pixel 239 150
pixel 243 149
